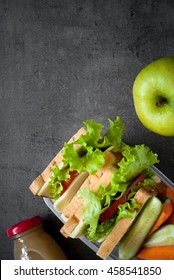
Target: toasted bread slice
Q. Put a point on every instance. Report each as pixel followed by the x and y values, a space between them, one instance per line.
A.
pixel 69 226
pixel 36 185
pixel 44 177
pixel 142 196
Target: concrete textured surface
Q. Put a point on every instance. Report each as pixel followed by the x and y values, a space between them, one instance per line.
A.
pixel 62 62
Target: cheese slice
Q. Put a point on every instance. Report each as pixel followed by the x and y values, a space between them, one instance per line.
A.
pixel 78 231
pixel 65 199
pixel 45 191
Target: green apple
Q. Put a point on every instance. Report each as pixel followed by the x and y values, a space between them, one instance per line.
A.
pixel 153 95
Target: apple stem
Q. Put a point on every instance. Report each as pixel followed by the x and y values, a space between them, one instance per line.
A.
pixel 161 102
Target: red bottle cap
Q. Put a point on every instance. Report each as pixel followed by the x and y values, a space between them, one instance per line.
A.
pixel 24 225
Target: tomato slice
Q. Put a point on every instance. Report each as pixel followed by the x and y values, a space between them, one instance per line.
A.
pixel 109 212
pixel 67 183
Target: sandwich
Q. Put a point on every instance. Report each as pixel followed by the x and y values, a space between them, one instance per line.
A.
pixel 56 178
pixel 101 187
pixel 81 156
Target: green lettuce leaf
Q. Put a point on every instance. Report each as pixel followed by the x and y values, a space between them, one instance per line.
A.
pixel 135 160
pixel 91 143
pixel 58 175
pixel 94 136
pixel 127 209
pixel 113 192
pixel 91 208
pixel 91 161
pixel 114 133
pixel 101 231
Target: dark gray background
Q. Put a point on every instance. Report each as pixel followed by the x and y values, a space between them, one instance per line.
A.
pixel 62 62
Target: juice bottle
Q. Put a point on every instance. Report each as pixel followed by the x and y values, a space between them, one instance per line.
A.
pixel 31 242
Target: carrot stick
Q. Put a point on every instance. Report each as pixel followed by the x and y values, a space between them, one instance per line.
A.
pixel 157 253
pixel 168 192
pixel 167 209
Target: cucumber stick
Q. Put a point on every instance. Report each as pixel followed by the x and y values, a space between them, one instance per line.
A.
pixel 162 237
pixel 134 238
